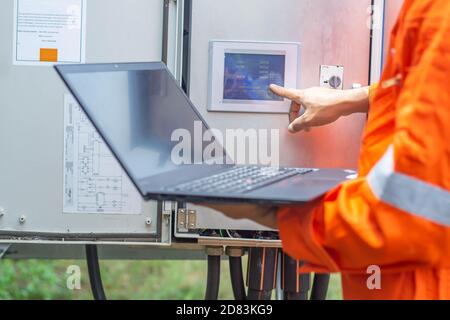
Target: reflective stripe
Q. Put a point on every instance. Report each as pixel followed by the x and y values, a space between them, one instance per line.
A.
pixel 409 194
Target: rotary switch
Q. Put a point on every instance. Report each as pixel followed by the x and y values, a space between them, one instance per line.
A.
pixel 335 82
pixel 331 76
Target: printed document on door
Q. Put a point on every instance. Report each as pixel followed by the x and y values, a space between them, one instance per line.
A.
pixel 93 180
pixel 49 31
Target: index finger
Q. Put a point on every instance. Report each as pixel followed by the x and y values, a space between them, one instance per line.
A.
pixel 291 94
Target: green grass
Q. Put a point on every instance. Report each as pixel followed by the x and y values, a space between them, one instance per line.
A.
pixel 32 279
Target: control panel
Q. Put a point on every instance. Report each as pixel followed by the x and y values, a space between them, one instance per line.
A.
pixel 240 74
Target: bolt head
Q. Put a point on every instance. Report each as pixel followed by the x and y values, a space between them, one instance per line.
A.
pixel 22 219
pixel 2 212
pixel 148 221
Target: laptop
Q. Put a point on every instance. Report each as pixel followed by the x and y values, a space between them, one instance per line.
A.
pixel 145 118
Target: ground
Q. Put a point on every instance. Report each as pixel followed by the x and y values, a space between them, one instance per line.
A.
pixel 31 279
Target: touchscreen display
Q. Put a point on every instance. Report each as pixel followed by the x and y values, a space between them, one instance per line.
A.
pixel 248 76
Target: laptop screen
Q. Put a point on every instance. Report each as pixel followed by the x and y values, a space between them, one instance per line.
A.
pixel 142 114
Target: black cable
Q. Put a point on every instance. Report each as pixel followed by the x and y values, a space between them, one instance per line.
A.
pixel 213 278
pixel 320 286
pixel 295 285
pixel 255 295
pixel 261 273
pixel 237 278
pixel 296 296
pixel 95 277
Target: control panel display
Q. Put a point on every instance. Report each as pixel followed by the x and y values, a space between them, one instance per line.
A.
pixel 241 72
pixel 248 76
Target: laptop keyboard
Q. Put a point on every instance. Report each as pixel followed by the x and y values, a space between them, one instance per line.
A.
pixel 239 180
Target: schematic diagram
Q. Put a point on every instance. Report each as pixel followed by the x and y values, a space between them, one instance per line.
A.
pixel 93 180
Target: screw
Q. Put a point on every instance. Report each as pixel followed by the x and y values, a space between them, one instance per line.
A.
pixel 22 219
pixel 148 221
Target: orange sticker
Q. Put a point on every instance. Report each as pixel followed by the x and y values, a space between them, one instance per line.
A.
pixel 49 55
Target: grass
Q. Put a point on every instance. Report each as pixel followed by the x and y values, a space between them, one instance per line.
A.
pixel 154 280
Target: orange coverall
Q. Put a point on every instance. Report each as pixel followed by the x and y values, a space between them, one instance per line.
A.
pixel 396 215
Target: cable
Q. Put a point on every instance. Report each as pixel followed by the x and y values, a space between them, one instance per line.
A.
pixel 237 278
pixel 279 292
pixel 213 277
pixel 255 295
pixel 296 296
pixel 95 277
pixel 295 284
pixel 236 273
pixel 261 273
pixel 320 286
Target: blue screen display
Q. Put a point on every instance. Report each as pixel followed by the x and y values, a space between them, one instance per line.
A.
pixel 248 76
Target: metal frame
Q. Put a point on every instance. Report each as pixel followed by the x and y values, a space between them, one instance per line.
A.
pixel 69 251
pixel 377 42
pixel 162 239
pixel 172 49
pixel 186 45
pixel 217 48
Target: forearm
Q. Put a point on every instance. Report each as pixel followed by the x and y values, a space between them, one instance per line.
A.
pixel 263 215
pixel 355 101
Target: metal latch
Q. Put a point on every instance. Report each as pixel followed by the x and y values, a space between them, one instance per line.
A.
pixel 167 214
pixel 186 220
pixel 182 220
pixel 192 220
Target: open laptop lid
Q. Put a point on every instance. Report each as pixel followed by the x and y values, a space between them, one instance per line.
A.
pixel 142 114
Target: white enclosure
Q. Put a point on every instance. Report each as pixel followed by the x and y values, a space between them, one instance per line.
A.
pixel 33 132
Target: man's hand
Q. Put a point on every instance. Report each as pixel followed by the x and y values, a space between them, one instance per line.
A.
pixel 263 215
pixel 321 106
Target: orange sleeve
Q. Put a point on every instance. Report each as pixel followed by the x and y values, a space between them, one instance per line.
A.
pixel 352 228
pixel 372 90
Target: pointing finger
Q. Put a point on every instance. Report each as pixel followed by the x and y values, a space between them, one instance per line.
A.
pixel 291 94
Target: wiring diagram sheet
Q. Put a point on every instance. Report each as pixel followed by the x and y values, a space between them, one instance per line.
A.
pixel 93 180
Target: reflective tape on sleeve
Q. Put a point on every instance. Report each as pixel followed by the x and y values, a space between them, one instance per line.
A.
pixel 407 193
